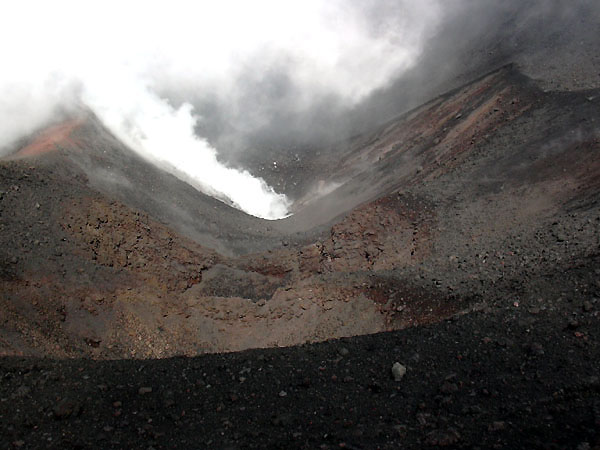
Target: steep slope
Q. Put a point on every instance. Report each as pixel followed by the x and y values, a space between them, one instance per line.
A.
pixel 441 210
pixel 83 146
pixel 503 114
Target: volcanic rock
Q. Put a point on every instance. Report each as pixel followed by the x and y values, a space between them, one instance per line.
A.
pixel 398 371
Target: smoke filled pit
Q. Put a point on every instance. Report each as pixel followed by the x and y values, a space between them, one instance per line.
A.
pixel 441 161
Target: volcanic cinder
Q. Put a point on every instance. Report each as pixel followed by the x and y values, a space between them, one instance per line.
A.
pixel 459 239
pixel 101 247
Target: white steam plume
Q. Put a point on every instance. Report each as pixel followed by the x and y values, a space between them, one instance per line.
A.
pixel 166 135
pixel 120 55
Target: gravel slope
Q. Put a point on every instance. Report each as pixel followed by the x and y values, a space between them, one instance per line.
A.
pixel 505 376
pixel 480 258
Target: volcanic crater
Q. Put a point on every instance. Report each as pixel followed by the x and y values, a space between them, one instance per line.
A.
pixel 473 214
pixel 129 261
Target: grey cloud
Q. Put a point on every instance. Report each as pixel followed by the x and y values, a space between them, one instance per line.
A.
pixel 270 114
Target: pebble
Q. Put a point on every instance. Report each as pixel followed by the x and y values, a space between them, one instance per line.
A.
pixel 449 388
pixel 283 394
pixel 537 349
pixel 65 408
pixel 587 306
pixel 21 391
pixel 282 420
pixel 497 426
pixel 441 438
pixel 144 390
pixel 398 371
pixel 343 351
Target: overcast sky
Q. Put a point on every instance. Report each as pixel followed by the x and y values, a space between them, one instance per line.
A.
pixel 179 81
pixel 122 59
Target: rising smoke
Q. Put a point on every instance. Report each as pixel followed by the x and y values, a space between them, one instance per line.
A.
pixel 141 65
pixel 192 84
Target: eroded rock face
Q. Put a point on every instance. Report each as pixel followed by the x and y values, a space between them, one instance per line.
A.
pixel 390 233
pixel 489 183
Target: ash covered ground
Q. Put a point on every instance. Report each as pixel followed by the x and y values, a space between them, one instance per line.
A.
pixel 459 238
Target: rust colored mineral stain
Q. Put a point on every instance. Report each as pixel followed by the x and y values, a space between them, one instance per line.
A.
pixel 126 285
pixel 48 140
